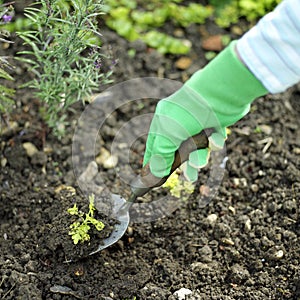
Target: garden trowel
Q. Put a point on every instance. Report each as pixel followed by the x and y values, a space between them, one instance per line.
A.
pixel 144 182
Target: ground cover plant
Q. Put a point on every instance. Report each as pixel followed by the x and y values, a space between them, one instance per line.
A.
pixel 144 20
pixel 229 12
pixel 134 20
pixel 243 245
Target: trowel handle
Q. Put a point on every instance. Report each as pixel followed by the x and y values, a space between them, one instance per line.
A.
pixel 146 180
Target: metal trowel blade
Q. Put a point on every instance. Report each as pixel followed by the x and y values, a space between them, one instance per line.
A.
pixel 122 218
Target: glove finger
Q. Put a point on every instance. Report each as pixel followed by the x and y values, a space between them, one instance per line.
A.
pixel 217 140
pixel 162 156
pixel 199 158
pixel 189 172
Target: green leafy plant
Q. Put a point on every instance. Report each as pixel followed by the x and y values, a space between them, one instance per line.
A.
pixel 137 20
pixel 6 94
pixel 80 229
pixel 64 55
pixel 229 12
pixel 165 43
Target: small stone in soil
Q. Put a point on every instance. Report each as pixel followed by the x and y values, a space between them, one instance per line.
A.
pixel 89 173
pixel 30 149
pixel 212 219
pixel 182 293
pixel 106 159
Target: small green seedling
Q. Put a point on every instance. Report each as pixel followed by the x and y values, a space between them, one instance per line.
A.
pixel 79 230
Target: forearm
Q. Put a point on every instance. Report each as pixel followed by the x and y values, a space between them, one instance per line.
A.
pixel 271 49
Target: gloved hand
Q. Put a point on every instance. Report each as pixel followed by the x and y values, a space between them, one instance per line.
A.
pixel 216 96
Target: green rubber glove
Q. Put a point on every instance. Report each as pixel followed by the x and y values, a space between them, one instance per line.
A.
pixel 216 96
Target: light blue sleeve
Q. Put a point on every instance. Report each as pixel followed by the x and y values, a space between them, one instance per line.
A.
pixel 271 49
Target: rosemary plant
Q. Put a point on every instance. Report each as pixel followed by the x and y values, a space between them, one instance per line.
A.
pixel 64 55
pixel 6 94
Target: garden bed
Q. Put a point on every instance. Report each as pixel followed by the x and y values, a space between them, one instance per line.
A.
pixel 243 245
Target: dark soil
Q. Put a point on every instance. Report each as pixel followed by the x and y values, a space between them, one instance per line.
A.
pixel 243 245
